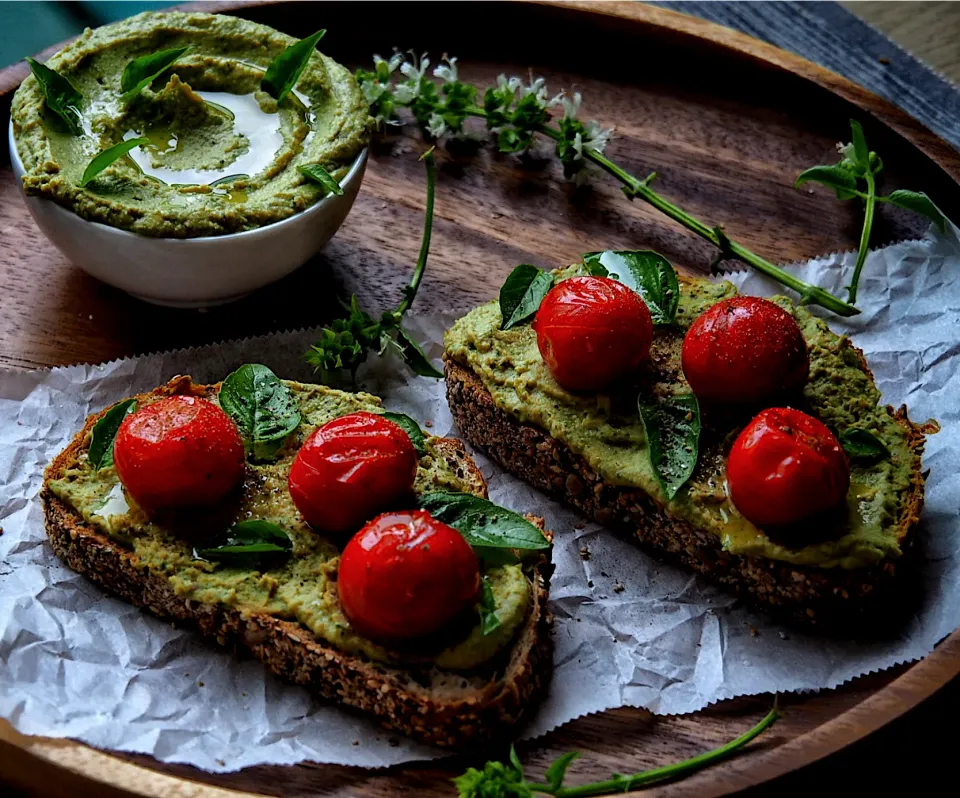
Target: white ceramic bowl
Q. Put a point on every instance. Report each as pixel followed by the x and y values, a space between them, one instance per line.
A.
pixel 192 272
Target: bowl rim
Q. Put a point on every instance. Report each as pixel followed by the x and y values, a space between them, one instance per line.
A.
pixel 330 199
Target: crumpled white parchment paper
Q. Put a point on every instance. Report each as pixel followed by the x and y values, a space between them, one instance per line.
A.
pixel 629 631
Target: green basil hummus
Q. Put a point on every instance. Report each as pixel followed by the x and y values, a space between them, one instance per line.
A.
pixel 304 588
pixel 223 155
pixel 606 429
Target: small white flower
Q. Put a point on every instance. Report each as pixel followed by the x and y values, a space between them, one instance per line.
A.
pixel 436 127
pixel 392 64
pixel 538 88
pixel 372 91
pixel 571 105
pixel 412 70
pixel 447 72
pixel 597 137
pixel 405 92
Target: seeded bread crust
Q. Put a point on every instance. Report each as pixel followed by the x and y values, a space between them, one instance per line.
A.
pixel 825 599
pixel 445 708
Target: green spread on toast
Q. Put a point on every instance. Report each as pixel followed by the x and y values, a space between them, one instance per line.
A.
pixel 605 429
pixel 304 588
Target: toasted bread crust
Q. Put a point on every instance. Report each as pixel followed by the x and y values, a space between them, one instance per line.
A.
pixel 443 708
pixel 828 599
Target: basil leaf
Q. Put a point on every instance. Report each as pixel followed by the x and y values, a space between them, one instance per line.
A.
pixel 594 268
pixel 248 542
pixel 414 356
pixel 646 272
pixel 918 202
pixel 672 427
pixel 859 444
pixel 105 432
pixel 263 408
pixel 522 293
pixel 835 177
pixel 489 621
pixel 861 153
pixel 108 156
pixel 60 94
pixel 320 175
pixel 557 772
pixel 412 428
pixel 284 71
pixel 141 72
pixel 490 529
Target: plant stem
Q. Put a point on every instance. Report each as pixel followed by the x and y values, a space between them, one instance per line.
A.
pixel 865 235
pixel 666 773
pixel 411 290
pixel 809 294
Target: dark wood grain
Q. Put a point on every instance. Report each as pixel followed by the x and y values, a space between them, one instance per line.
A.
pixel 725 120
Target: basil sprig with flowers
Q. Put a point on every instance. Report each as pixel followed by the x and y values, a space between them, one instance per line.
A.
pixel 61 96
pixel 859 165
pixel 250 543
pixel 104 433
pixel 346 343
pixel 671 425
pixel 507 780
pixel 264 409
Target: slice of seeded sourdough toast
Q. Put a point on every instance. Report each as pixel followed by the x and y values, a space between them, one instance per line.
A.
pixel 834 600
pixel 445 708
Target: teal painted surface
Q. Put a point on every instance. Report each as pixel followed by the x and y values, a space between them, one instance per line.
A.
pixel 28 27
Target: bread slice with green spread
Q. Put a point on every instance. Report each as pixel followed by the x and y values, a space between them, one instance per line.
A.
pixel 467 687
pixel 591 451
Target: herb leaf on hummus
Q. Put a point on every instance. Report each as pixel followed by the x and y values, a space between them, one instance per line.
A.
pixel 61 95
pixel 320 175
pixel 522 293
pixel 249 541
pixel 284 71
pixel 141 72
pixel 647 273
pixel 105 432
pixel 491 530
pixel 263 408
pixel 487 608
pixel 864 446
pixel 412 428
pixel 109 156
pixel 672 427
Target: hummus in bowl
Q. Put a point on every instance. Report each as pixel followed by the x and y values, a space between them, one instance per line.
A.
pixel 222 155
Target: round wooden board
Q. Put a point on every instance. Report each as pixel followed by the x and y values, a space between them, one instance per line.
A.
pixel 726 120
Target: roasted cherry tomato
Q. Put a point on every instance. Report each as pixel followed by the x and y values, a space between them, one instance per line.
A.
pixel 350 469
pixel 786 466
pixel 744 349
pixel 592 331
pixel 406 575
pixel 180 451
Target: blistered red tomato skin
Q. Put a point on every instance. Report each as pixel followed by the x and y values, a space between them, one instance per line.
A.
pixel 406 575
pixel 178 452
pixel 350 469
pixel 592 331
pixel 786 466
pixel 744 349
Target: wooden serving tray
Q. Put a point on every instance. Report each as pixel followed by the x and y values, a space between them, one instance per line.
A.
pixel 726 120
